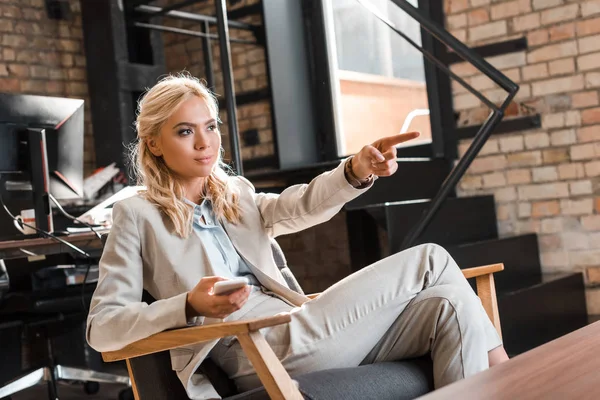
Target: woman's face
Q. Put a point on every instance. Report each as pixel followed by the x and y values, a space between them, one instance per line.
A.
pixel 189 141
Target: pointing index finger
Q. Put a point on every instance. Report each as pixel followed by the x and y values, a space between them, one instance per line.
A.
pixel 397 139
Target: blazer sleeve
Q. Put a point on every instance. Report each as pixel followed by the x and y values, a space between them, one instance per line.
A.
pixel 117 316
pixel 301 206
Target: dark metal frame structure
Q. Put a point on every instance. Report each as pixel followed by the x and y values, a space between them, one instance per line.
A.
pixel 495 117
pixel 435 42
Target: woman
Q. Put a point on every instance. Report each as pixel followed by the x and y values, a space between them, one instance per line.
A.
pixel 195 225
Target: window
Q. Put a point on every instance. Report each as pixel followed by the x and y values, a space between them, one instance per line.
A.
pixel 378 77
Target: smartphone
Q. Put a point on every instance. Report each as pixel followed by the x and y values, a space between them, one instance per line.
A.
pixel 227 287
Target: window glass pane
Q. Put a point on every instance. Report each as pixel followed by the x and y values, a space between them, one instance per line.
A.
pixel 380 77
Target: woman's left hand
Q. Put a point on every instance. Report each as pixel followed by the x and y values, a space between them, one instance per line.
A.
pixel 379 158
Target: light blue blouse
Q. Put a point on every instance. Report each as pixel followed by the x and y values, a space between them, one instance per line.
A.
pixel 218 246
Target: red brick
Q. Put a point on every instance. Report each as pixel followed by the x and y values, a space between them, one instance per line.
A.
pixel 505 10
pixel 535 71
pixel 478 16
pixel 456 21
pixel 55 87
pixel 518 176
pixel 487 31
pixel 588 27
pixel 553 51
pixel 526 22
pixel 562 66
pixel 558 14
pixel 584 99
pixel 10 85
pixel 580 188
pixel 18 70
pixel 590 7
pixel 543 4
pixel 588 134
pixel 528 158
pixel 589 44
pixel 558 85
pixel 545 208
pixel 592 169
pixel 588 61
pixel 487 164
pixel 562 32
pixel 455 6
pixel 583 152
pixel 590 116
pixel 555 156
pixel 543 191
pixel 539 37
pixel 571 171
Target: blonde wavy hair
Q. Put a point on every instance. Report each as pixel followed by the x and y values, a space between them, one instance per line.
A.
pixel 162 187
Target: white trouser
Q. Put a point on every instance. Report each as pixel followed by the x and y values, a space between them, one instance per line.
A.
pixel 407 305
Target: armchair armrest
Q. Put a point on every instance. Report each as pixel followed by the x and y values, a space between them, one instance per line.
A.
pixel 483 270
pixel 277 381
pixel 172 339
pixel 486 290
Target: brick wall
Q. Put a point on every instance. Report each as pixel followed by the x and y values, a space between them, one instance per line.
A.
pixel 44 57
pixel 249 73
pixel 546 180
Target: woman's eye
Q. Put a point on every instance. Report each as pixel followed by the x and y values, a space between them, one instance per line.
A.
pixel 185 132
pixel 212 127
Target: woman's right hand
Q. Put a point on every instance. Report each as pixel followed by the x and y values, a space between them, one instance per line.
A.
pixel 202 302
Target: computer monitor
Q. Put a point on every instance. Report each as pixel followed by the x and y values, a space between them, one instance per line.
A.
pixel 41 144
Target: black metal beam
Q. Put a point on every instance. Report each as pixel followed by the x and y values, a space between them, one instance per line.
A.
pixel 225 52
pixel 254 9
pixel 490 50
pixel 208 58
pixel 188 32
pixel 508 126
pixel 486 129
pixel 176 6
pixel 439 89
pixel 248 97
pixel 152 11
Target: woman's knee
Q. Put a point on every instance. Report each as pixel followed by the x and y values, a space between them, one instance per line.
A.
pixel 455 300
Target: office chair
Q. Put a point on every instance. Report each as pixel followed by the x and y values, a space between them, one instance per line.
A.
pixel 152 377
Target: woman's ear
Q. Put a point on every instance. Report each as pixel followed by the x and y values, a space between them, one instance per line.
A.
pixel 154 147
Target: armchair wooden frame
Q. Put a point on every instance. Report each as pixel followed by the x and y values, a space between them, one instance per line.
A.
pixel 276 380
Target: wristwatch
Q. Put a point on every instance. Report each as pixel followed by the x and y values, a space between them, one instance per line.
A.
pixel 353 180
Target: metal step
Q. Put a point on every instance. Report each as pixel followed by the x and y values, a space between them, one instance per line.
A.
pixel 416 179
pixel 459 220
pixel 543 312
pixel 519 254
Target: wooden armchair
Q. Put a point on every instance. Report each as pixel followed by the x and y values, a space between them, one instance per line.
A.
pixel 276 380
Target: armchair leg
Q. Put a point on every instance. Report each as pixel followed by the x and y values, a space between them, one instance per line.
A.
pixel 275 378
pixel 31 379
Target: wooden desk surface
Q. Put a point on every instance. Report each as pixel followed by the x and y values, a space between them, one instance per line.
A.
pixel 565 368
pixel 45 246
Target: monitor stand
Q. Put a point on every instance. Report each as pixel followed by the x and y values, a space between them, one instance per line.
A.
pixel 40 178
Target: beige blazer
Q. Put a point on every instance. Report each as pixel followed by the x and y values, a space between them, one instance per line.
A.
pixel 143 252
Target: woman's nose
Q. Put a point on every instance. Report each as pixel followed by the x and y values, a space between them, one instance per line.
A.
pixel 200 142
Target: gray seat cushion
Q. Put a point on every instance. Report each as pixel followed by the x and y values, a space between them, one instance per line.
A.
pixel 397 380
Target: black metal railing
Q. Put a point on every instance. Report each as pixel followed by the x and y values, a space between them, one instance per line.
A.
pixel 147 13
pixel 485 130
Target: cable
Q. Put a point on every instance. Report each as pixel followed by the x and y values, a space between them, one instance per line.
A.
pixel 75 219
pixel 66 214
pixel 51 236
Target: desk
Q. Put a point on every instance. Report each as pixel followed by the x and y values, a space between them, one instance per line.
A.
pixel 47 246
pixel 565 368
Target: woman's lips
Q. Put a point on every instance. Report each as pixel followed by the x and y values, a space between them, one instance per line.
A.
pixel 203 160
